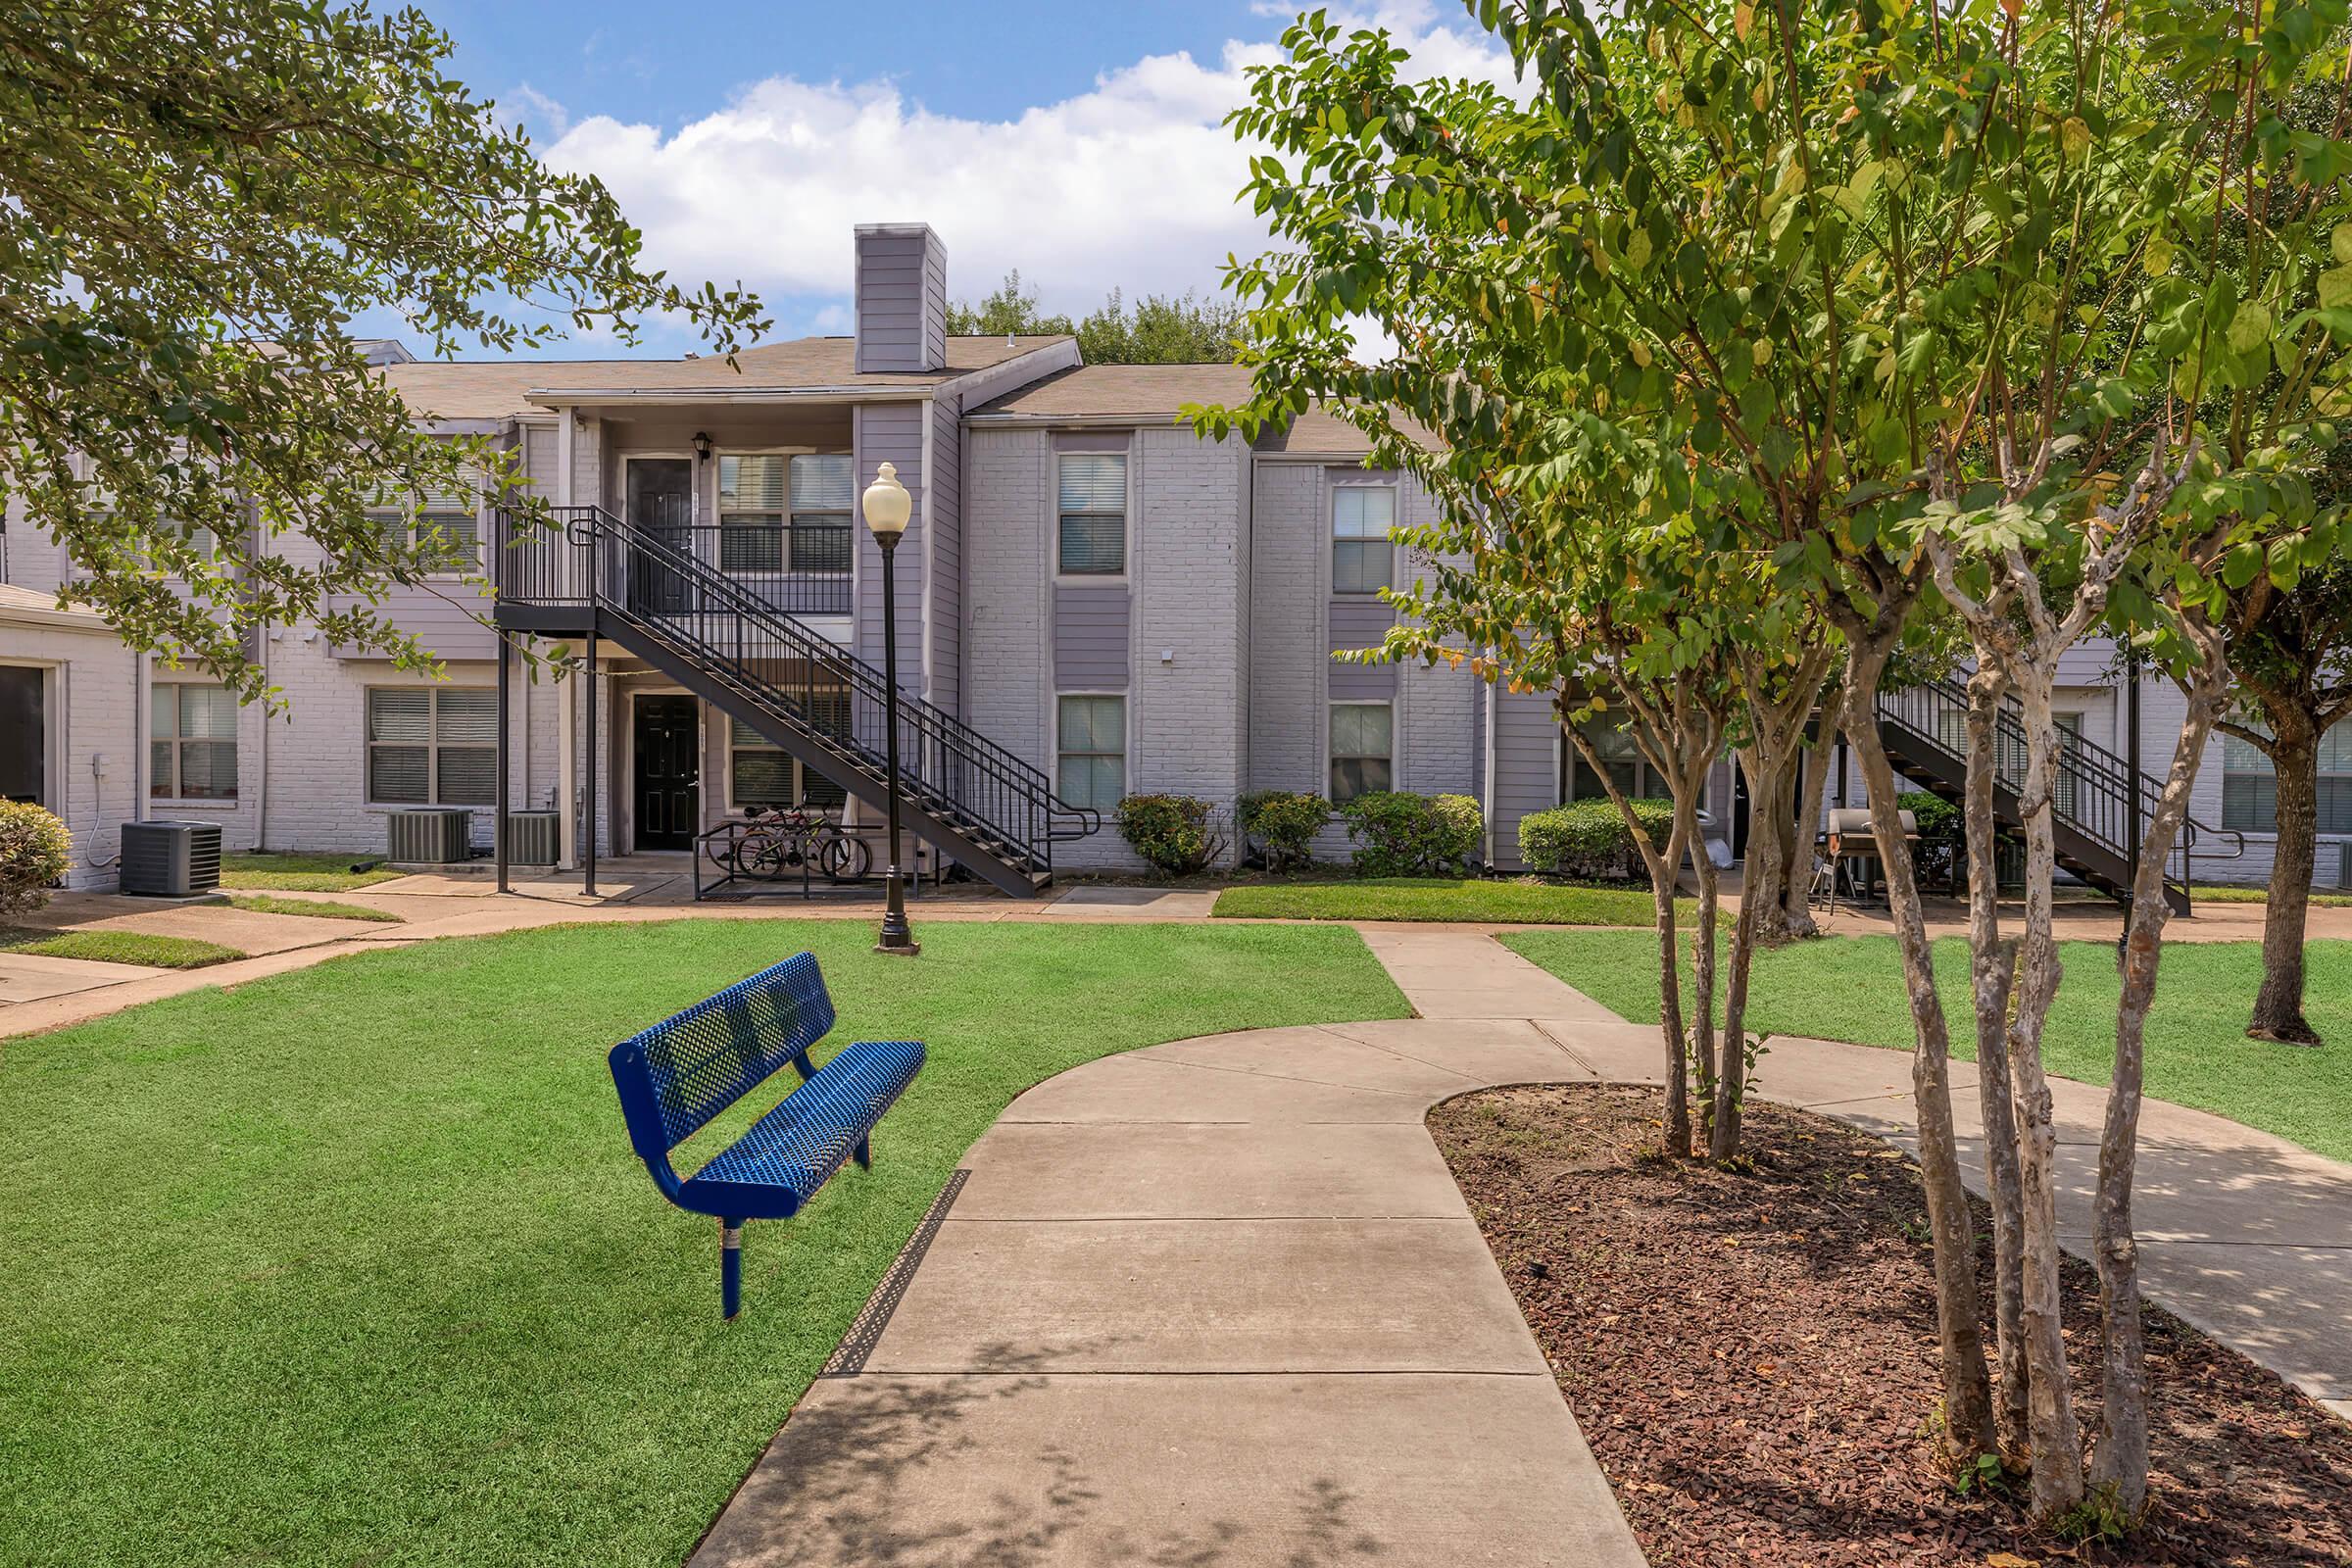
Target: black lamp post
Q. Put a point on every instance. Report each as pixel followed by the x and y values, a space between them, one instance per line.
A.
pixel 888 506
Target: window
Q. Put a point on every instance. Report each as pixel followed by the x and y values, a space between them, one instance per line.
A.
pixel 193 744
pixel 760 772
pixel 2250 784
pixel 1620 756
pixel 1094 514
pixel 1362 750
pixel 778 514
pixel 1093 741
pixel 1362 559
pixel 443 523
pixel 432 745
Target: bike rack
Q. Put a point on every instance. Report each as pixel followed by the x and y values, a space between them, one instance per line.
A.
pixel 734 828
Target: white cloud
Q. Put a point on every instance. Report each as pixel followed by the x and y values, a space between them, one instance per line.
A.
pixel 1129 185
pixel 540 111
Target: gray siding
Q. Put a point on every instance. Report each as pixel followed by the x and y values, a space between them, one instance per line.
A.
pixel 1526 737
pixel 893 432
pixel 902 298
pixel 1287 649
pixel 1358 620
pixel 943 571
pixel 1007 611
pixel 1091 629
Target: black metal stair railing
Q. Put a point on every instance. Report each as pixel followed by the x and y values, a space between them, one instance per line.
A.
pixel 732 633
pixel 2095 793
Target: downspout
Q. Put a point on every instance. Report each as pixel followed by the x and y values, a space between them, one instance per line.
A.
pixel 261 792
pixel 1486 811
pixel 567 833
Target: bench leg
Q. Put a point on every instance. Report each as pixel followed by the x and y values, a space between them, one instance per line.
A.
pixel 863 1154
pixel 730 1266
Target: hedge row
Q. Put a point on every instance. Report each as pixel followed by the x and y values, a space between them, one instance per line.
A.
pixel 1396 833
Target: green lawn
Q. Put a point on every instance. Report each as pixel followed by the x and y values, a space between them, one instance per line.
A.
pixel 116 947
pixel 2249 892
pixel 278 873
pixel 318 909
pixel 1440 899
pixel 1850 988
pixel 354 1264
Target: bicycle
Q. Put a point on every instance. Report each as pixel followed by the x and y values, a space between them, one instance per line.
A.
pixel 781 841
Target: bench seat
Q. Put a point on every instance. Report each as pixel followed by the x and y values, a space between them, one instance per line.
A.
pixel 677 1077
pixel 776 1167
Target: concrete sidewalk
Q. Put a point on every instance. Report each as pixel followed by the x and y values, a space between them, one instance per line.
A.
pixel 1214 1302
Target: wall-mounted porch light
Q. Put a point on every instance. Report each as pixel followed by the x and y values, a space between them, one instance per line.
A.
pixel 702 446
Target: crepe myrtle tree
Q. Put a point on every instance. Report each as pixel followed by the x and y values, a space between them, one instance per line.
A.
pixel 202 195
pixel 1880 290
pixel 2291 648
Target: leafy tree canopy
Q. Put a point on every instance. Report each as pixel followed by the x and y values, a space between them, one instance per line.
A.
pixel 201 195
pixel 1161 329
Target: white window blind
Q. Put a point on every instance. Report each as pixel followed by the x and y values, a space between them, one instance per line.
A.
pixel 1094 514
pixel 193 746
pixel 432 746
pixel 1362 558
pixel 1362 748
pixel 1092 744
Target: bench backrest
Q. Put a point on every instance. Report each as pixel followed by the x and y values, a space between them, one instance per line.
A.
pixel 686 1070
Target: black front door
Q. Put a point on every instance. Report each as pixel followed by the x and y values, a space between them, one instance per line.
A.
pixel 668 772
pixel 24 736
pixel 660 503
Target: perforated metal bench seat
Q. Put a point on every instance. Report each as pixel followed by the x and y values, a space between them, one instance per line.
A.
pixel 676 1076
pixel 776 1167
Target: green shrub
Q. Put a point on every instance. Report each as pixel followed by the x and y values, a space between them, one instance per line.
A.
pixel 34 851
pixel 1400 834
pixel 1938 817
pixel 1589 838
pixel 1174 833
pixel 1283 822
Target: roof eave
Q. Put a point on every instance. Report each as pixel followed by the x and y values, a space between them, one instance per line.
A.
pixel 576 397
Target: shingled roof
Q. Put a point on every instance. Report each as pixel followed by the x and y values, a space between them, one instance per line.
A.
pixel 1160 392
pixel 489 389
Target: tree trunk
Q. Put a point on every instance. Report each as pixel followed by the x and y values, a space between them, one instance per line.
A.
pixel 1967 1388
pixel 2295 758
pixel 2055 1435
pixel 1769 864
pixel 1818 763
pixel 1731 1082
pixel 1702 978
pixel 1663 867
pixel 2120 1467
pixel 1993 970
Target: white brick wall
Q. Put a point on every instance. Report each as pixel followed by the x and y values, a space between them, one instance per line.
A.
pixel 91 698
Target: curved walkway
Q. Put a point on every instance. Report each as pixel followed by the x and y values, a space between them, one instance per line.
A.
pixel 1219 1301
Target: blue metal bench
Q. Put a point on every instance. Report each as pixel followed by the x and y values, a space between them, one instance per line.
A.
pixel 676 1076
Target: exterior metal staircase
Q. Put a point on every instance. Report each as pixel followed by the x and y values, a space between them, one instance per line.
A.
pixel 2101 804
pixel 586 572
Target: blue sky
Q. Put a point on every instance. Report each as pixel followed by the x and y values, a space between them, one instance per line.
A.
pixel 1080 143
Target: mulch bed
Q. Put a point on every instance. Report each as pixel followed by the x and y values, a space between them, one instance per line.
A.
pixel 1752 1353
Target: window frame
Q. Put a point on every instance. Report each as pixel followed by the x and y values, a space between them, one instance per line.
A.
pixel 1125 753
pixel 1063 573
pixel 418 515
pixel 1334 539
pixel 1332 757
pixel 179 741
pixel 2265 773
pixel 801 774
pixel 432 744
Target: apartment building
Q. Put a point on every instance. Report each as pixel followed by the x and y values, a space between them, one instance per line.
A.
pixel 1091 601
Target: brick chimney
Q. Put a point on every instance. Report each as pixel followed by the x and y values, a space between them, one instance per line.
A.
pixel 902 298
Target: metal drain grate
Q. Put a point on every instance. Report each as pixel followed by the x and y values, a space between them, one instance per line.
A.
pixel 849 1356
